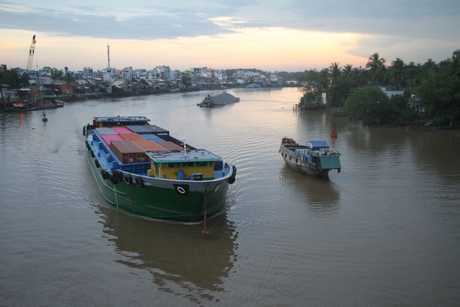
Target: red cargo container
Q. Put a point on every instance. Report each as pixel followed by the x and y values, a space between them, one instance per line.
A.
pixel 128 152
pixel 121 130
pixel 148 145
pixel 131 136
pixel 108 138
pixel 171 146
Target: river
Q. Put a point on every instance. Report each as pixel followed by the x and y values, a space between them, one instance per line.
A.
pixel 383 232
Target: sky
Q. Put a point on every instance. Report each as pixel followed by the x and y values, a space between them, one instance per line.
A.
pixel 287 35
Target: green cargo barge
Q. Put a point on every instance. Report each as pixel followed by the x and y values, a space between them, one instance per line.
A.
pixel 140 168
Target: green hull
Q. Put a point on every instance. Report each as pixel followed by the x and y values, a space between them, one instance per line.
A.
pixel 159 198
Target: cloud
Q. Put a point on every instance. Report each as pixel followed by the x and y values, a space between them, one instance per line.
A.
pixel 148 20
pixel 144 26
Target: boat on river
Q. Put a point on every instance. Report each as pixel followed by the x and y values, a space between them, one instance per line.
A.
pixel 48 103
pixel 218 100
pixel 142 169
pixel 207 102
pixel 315 158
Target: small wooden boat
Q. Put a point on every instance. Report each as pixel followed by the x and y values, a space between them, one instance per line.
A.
pixel 315 158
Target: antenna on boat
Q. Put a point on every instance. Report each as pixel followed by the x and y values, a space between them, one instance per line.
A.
pixel 185 148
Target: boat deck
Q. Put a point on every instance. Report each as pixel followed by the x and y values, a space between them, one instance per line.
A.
pixel 109 161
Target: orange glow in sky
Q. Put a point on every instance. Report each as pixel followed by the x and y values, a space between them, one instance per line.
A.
pixel 271 49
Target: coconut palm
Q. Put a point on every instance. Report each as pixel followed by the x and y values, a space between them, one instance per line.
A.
pixel 376 66
pixel 346 71
pixel 398 72
pixel 334 71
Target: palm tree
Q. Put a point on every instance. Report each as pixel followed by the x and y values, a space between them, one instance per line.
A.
pixel 455 71
pixel 324 80
pixel 358 77
pixel 398 72
pixel 428 65
pixel 346 71
pixel 334 71
pixel 376 66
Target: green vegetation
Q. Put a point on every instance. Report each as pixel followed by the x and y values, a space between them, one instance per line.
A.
pixel 59 75
pixel 11 78
pixel 358 92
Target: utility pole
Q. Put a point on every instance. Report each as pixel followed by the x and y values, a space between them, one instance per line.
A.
pixel 108 56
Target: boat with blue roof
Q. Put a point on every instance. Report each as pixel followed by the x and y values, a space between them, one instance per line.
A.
pixel 142 169
pixel 315 158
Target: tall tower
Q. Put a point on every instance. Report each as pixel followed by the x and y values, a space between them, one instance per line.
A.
pixel 108 56
pixel 31 54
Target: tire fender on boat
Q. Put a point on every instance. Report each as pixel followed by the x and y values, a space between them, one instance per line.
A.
pixel 104 174
pixel 128 179
pixel 113 179
pixel 118 175
pixel 231 179
pixel 139 182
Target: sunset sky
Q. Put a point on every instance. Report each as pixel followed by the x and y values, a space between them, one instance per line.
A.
pixel 288 35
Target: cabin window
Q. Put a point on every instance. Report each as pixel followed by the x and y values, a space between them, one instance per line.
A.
pixel 201 164
pixel 173 165
pixel 188 164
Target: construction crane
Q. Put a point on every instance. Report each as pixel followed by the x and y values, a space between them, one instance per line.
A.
pixel 31 54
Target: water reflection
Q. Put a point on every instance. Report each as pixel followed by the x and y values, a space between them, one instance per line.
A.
pixel 437 152
pixel 321 196
pixel 180 260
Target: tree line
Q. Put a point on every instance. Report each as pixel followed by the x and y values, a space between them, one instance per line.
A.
pixel 357 91
pixel 13 80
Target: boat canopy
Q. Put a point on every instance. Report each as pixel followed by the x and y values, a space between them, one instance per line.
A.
pixel 317 145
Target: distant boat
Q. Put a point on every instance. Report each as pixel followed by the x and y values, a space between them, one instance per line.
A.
pixel 218 100
pixel 207 102
pixel 315 158
pixel 272 85
pixel 253 85
pixel 339 112
pixel 48 103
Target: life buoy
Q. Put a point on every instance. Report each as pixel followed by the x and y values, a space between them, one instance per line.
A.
pixel 139 182
pixel 128 179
